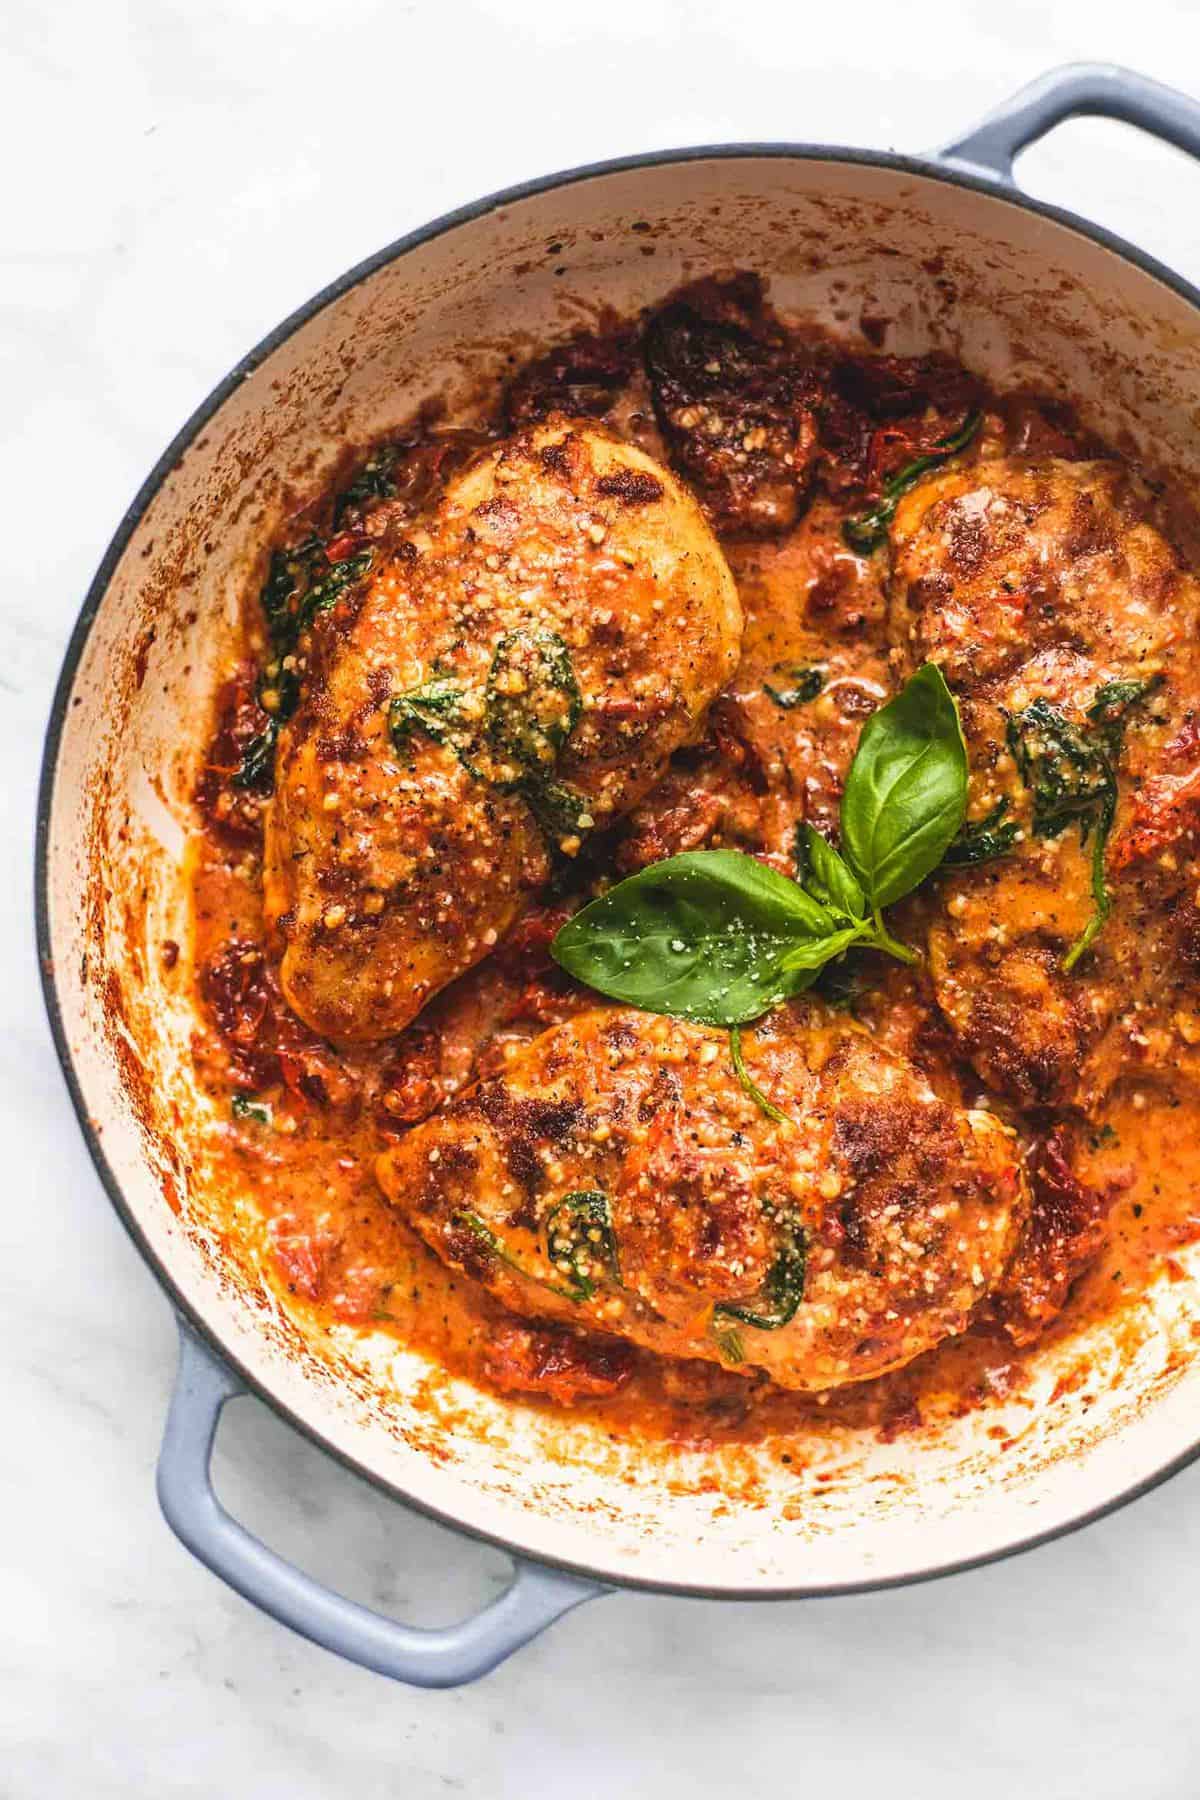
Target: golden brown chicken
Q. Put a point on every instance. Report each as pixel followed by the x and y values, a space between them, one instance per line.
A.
pixel 617 1177
pixel 1070 632
pixel 517 673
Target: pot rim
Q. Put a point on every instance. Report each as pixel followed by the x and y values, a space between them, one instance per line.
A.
pixel 928 167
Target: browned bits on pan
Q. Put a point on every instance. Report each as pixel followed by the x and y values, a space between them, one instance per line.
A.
pixel 581 379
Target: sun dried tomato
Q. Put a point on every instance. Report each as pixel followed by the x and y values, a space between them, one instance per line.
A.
pixel 556 1363
pixel 267 1043
pixel 1065 1231
pixel 411 1084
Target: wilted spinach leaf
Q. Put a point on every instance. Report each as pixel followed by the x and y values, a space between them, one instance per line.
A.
pixel 783 1289
pixel 866 531
pixel 806 684
pixel 373 482
pixel 980 840
pixel 1071 773
pixel 580 1236
pixel 532 701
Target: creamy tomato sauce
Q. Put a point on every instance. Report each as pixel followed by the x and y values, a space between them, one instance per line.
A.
pixel 305 1119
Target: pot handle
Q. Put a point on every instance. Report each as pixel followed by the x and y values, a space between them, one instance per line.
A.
pixel 1077 89
pixel 447 1657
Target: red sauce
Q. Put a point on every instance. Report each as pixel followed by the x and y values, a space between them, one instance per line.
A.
pixel 306 1119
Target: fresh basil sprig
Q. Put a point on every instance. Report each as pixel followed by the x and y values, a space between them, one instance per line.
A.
pixel 707 936
pixel 906 792
pixel 718 937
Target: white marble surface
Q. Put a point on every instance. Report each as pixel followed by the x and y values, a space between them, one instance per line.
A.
pixel 176 178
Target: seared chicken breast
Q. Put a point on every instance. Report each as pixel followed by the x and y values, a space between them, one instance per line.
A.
pixel 514 674
pixel 1069 630
pixel 617 1177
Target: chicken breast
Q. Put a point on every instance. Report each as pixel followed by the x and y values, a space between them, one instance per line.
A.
pixel 511 676
pixel 617 1177
pixel 1070 633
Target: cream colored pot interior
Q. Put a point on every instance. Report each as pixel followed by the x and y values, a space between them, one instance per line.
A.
pixel 1018 296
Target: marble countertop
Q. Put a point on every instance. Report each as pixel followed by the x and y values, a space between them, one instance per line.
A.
pixel 177 178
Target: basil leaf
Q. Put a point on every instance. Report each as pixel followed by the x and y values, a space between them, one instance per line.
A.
pixel 906 793
pixel 700 936
pixel 720 938
pixel 814 953
pixel 826 876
